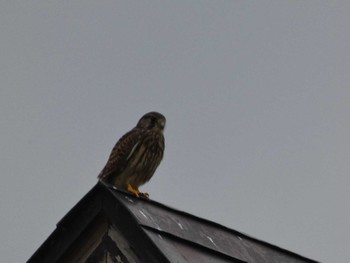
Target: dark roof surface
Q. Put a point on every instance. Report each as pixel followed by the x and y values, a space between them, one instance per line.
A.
pixel 108 225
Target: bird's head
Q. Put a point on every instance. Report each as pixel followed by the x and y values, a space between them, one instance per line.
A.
pixel 152 121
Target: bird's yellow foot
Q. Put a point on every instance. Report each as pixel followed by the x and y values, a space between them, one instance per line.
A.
pixel 137 193
pixel 134 191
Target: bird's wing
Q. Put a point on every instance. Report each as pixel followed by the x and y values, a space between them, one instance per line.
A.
pixel 121 153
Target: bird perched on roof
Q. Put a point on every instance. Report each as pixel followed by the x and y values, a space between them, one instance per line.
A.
pixel 136 155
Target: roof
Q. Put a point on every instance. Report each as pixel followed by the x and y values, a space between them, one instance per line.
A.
pixel 108 225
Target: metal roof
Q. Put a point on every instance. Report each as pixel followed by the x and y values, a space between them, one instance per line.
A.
pixel 108 225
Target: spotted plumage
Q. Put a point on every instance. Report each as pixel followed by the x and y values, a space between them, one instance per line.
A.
pixel 136 155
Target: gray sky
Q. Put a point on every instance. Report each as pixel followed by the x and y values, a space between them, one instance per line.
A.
pixel 256 94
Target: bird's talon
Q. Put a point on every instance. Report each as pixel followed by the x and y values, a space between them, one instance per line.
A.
pixel 134 191
pixel 145 195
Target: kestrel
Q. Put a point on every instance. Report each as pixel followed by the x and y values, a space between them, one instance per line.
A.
pixel 136 155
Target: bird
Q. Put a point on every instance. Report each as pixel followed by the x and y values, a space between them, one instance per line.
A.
pixel 136 155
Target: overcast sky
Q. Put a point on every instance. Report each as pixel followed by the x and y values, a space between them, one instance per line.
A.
pixel 257 100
